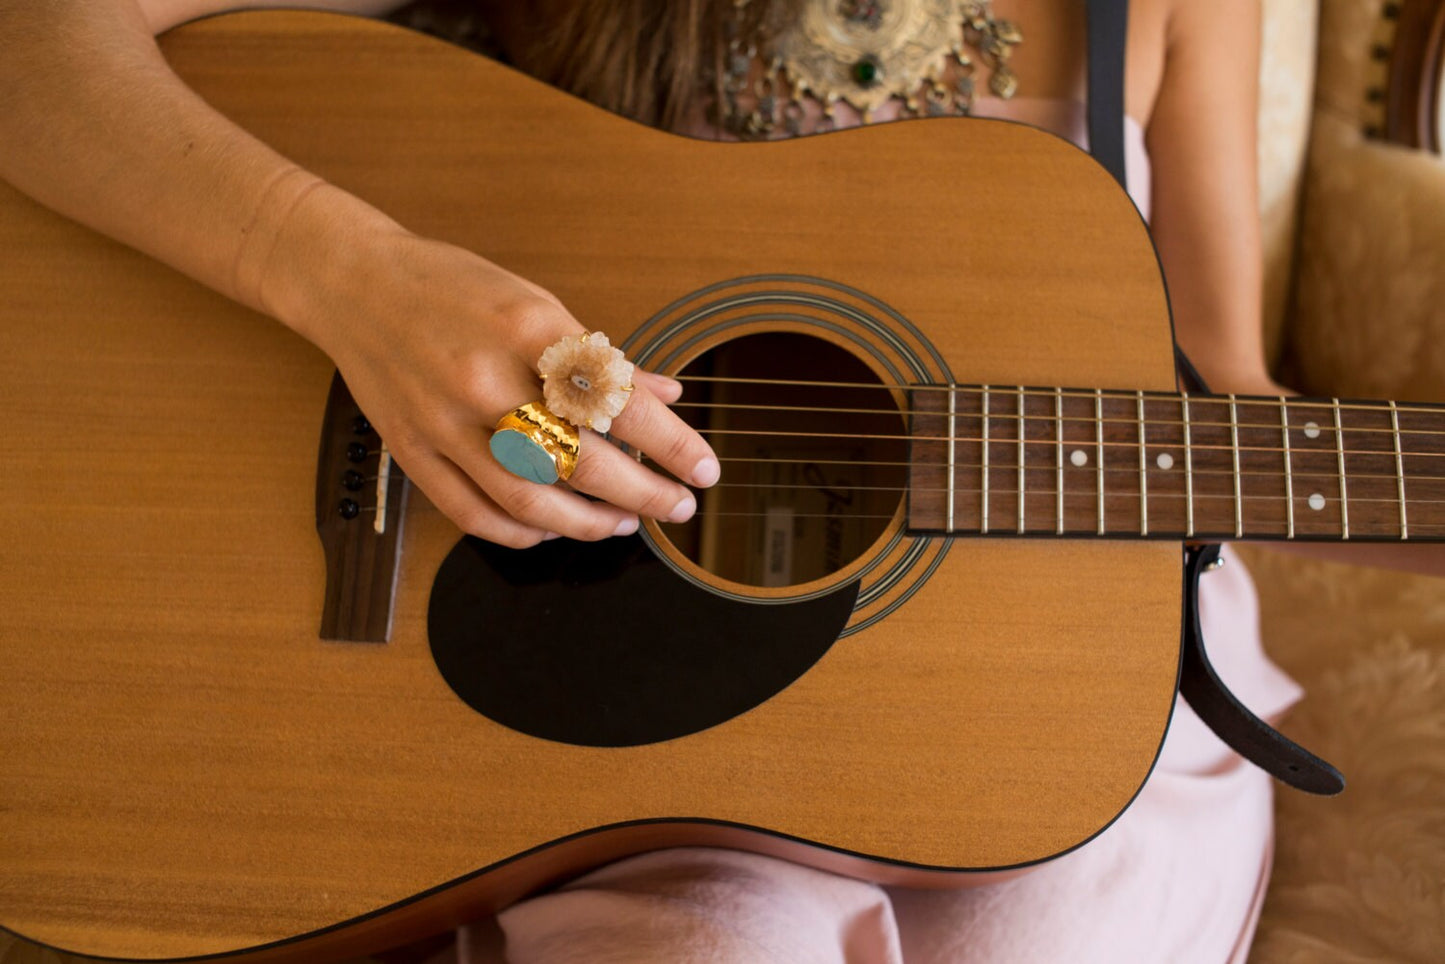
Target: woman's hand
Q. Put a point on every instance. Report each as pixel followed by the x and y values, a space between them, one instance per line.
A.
pixel 437 344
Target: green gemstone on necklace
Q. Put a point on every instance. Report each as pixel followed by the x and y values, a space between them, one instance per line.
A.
pixel 865 72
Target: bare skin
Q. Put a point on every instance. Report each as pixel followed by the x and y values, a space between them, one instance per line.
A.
pixel 436 343
pixel 185 185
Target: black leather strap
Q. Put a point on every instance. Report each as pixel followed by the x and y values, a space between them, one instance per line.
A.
pixel 1245 733
pixel 1231 720
pixel 1108 36
pixel 1189 378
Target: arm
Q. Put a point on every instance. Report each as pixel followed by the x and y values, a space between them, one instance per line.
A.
pixel 1206 223
pixel 95 125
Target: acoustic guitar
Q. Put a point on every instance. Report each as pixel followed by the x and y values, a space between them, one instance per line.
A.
pixel 929 625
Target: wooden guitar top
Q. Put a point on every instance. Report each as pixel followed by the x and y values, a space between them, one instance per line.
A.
pixel 186 769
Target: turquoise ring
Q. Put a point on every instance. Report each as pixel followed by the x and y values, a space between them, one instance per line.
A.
pixel 532 443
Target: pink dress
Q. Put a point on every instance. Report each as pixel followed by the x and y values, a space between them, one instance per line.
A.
pixel 1178 878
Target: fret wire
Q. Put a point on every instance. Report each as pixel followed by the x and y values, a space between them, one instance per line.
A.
pixel 1022 456
pixel 1188 469
pixel 984 460
pixel 1234 444
pixel 1099 439
pixel 1288 467
pixel 1143 472
pixel 1344 493
pixel 1059 457
pixel 1399 470
pixel 952 432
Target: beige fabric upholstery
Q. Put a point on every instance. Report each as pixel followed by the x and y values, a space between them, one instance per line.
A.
pixel 1360 878
pixel 1370 302
pixel 1286 82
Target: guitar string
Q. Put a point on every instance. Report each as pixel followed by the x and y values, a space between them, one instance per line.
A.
pixel 1090 528
pixel 1333 450
pixel 1089 440
pixel 1223 533
pixel 1054 419
pixel 1031 493
pixel 1131 471
pixel 1110 394
pixel 1326 522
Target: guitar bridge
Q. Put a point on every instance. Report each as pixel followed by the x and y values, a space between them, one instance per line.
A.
pixel 360 504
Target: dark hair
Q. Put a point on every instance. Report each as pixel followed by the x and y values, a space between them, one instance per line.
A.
pixel 645 59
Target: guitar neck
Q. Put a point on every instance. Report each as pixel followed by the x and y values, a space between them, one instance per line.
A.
pixel 1010 460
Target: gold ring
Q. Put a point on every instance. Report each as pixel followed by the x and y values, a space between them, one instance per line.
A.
pixel 536 445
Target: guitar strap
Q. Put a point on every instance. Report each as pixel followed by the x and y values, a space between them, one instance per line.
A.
pixel 1209 697
pixel 1108 30
pixel 1232 721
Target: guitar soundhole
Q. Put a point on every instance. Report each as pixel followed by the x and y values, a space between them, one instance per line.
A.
pixel 814 459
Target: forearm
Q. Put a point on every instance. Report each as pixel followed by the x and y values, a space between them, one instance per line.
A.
pixel 435 342
pixel 95 125
pixel 1205 222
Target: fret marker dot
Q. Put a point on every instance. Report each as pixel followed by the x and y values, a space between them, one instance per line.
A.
pixel 1312 430
pixel 1317 502
pixel 1079 457
pixel 1165 460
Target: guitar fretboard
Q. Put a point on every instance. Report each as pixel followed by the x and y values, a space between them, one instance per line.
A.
pixel 1011 460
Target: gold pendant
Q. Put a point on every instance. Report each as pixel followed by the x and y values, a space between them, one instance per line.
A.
pixel 867 51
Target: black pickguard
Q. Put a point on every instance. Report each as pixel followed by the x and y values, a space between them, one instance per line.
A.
pixel 602 644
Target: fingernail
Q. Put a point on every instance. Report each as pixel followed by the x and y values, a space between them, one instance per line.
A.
pixel 626 527
pixel 683 510
pixel 551 535
pixel 706 472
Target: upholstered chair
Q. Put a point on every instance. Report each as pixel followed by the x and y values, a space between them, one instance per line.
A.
pixel 1353 205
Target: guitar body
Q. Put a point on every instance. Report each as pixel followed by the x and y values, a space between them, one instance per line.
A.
pixel 187 769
